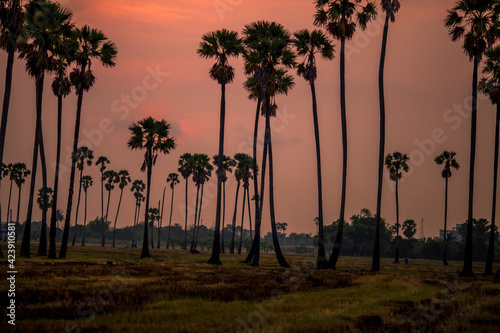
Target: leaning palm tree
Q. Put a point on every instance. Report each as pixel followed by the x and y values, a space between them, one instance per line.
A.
pixel 154 137
pixel 397 164
pixel 84 156
pixel 477 22
pixel 124 178
pixel 448 159
pixel 220 45
pixel 20 174
pixel 137 187
pixel 186 169
pixel 308 44
pixel 172 179
pixel 45 201
pixel 341 19
pixel 390 7
pixel 110 178
pixel 87 182
pixel 92 45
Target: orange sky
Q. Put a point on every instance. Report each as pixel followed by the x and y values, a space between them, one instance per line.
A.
pixel 426 75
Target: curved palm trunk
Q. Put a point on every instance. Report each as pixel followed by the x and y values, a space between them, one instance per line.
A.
pixel 249 214
pixel 381 149
pixel 321 262
pixel 279 255
pixel 105 221
pixel 215 258
pixel 77 207
pixel 84 220
pixel 332 263
pixel 6 100
pixel 467 268
pixel 231 248
pixel 42 246
pixel 170 219
pixel 445 243
pixel 64 243
pixel 222 250
pixel 242 217
pixel 491 246
pixel 199 218
pixel 116 217
pixel 145 249
pixel 396 259
pixel 195 217
pixel 161 216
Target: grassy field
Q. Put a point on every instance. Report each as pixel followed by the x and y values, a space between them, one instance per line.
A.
pixel 112 290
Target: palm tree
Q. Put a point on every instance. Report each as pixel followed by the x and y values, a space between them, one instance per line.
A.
pixel 4 171
pixel 307 45
pixel 124 179
pixel 238 174
pixel 102 161
pixel 228 165
pixel 448 159
pixel 9 170
pixel 160 222
pixel 490 85
pixel 45 201
pixel 43 22
pixel 477 22
pixel 390 7
pixel 172 179
pixel 154 215
pixel 20 174
pixel 186 169
pixel 110 177
pixel 397 164
pixel 341 18
pixel 220 45
pixel 84 156
pixel 138 187
pixel 87 182
pixel 202 171
pixel 92 44
pixel 152 136
pixel 245 167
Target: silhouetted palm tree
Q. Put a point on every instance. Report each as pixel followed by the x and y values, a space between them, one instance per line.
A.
pixel 20 174
pixel 110 177
pixel 124 178
pixel 84 156
pixel 154 137
pixel 87 182
pixel 154 215
pixel 448 159
pixel 238 174
pixel 307 45
pixel 138 187
pixel 173 179
pixel 102 161
pixel 186 169
pixel 397 164
pixel 477 22
pixel 8 170
pixel 4 171
pixel 341 18
pixel 390 7
pixel 245 167
pixel 45 201
pixel 220 45
pixel 202 171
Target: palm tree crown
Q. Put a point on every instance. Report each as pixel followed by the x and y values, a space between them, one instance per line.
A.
pixel 396 162
pixel 308 44
pixel 87 182
pixel 173 179
pixel 448 159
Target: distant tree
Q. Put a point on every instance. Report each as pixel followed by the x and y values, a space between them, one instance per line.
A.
pixel 246 172
pixel 154 215
pixel 102 162
pixel 173 179
pixel 96 224
pixel 83 155
pixel 124 179
pixel 138 187
pixel 110 177
pixel 238 174
pixel 87 182
pixel 4 172
pixel 409 228
pixel 186 169
pixel 202 171
pixel 45 201
pixel 20 175
pixel 8 170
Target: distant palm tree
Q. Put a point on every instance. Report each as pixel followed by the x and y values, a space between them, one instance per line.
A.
pixel 202 171
pixel 102 161
pixel 9 170
pixel 83 156
pixel 186 169
pixel 154 215
pixel 397 164
pixel 477 22
pixel 390 7
pixel 124 178
pixel 448 159
pixel 307 45
pixel 20 174
pixel 245 167
pixel 228 165
pixel 110 177
pixel 138 187
pixel 45 201
pixel 341 18
pixel 173 179
pixel 92 44
pixel 238 174
pixel 153 136
pixel 4 171
pixel 87 182
pixel 220 45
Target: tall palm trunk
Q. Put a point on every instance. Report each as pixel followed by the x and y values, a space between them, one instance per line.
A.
pixel 279 255
pixel 332 263
pixel 84 219
pixel 396 259
pixel 105 221
pixel 215 258
pixel 242 217
pixel 116 217
pixel 77 207
pixel 42 246
pixel 467 268
pixel 8 204
pixel 145 249
pixel 199 218
pixel 64 243
pixel 170 219
pixel 322 261
pixel 249 213
pixel 445 243
pixel 381 149
pixel 161 216
pixel 231 248
pixel 491 246
pixel 222 250
pixel 135 219
pixel 17 216
pixel 6 100
pixel 195 217
pixel 186 217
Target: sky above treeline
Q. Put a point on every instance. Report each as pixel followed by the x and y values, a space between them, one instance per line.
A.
pixel 159 74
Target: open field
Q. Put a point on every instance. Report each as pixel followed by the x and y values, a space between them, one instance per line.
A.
pixel 112 290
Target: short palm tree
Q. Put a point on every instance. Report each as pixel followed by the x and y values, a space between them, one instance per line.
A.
pixel 154 137
pixel 87 182
pixel 308 44
pixel 447 158
pixel 83 156
pixel 45 201
pixel 4 172
pixel 186 169
pixel 21 172
pixel 124 179
pixel 238 174
pixel 397 163
pixel 154 215
pixel 110 177
pixel 137 187
pixel 476 21
pixel 245 167
pixel 220 45
pixel 102 162
pixel 9 170
pixel 202 171
pixel 172 179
